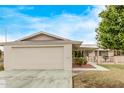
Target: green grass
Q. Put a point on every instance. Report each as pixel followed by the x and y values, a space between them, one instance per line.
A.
pixel 114 66
pixel 101 79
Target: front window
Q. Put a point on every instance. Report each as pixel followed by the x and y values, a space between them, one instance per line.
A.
pixel 103 53
pixel 119 53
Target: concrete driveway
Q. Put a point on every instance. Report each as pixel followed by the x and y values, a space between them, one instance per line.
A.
pixel 36 79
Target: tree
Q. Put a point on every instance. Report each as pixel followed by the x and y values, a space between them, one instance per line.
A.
pixel 110 32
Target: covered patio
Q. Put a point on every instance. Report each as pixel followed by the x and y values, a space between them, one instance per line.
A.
pixel 90 51
pixel 93 54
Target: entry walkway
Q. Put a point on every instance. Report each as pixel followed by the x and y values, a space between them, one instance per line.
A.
pixel 77 71
pixel 97 68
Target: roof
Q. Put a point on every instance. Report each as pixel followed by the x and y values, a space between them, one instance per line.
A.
pixel 23 41
pixel 92 46
pixel 40 42
pixel 89 46
pixel 41 32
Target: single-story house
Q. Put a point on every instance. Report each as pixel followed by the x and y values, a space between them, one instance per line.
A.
pixel 39 51
pixel 47 51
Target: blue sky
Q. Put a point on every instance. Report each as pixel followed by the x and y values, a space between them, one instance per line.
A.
pixel 73 22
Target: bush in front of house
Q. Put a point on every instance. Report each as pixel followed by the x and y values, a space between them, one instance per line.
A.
pixel 1 66
pixel 76 61
pixel 1 56
pixel 80 60
pixel 84 60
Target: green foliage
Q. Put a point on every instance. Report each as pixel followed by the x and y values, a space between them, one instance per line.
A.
pixel 80 60
pixel 85 60
pixel 77 61
pixel 1 66
pixel 110 33
pixel 1 56
pixel 77 54
pixel 0 53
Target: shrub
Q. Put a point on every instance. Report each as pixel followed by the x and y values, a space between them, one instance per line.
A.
pixel 84 59
pixel 80 60
pixel 1 66
pixel 77 61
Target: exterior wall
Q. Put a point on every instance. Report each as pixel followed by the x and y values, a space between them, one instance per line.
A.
pixel 8 56
pixel 119 59
pixel 111 59
pixel 110 53
pixel 91 57
pixel 68 57
pixel 41 37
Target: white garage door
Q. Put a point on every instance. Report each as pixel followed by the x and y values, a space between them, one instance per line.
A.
pixel 38 58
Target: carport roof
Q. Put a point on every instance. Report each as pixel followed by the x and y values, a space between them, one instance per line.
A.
pixel 90 46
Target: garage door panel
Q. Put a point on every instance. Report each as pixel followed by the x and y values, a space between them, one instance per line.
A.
pixel 38 58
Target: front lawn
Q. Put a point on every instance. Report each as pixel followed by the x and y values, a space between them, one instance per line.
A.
pixel 114 66
pixel 101 79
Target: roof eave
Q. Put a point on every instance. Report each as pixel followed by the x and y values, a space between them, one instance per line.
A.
pixel 38 42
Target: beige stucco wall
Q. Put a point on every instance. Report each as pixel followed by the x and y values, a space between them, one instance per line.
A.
pixel 11 62
pixel 119 59
pixel 112 60
pixel 91 57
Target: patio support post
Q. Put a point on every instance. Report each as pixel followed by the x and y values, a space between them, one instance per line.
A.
pixel 81 53
pixel 97 56
pixel 93 55
pixel 84 53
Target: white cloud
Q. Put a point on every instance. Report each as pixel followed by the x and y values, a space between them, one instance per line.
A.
pixel 2 38
pixel 23 7
pixel 77 27
pixel 97 9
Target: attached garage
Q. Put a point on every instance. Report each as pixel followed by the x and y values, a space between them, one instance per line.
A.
pixel 39 51
pixel 38 57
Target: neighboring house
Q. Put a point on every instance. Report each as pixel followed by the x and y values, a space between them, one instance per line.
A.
pixel 39 51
